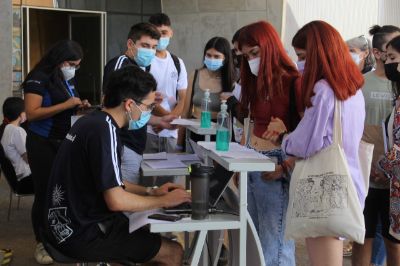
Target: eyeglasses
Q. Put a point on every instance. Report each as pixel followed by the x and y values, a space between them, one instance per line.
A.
pixel 149 107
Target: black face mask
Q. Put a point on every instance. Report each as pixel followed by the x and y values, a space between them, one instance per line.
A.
pixel 391 72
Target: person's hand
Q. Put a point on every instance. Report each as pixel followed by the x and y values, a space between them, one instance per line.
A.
pixel 275 127
pixel 159 97
pixel 165 122
pixel 377 176
pixel 270 176
pixel 164 189
pixel 72 102
pixel 85 104
pixel 225 95
pixel 176 197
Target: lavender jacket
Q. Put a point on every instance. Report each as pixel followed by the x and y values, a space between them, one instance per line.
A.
pixel 315 130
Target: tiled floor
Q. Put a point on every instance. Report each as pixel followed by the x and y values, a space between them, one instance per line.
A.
pixel 17 233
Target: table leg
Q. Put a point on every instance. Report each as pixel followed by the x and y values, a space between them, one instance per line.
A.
pixel 243 218
pixel 199 242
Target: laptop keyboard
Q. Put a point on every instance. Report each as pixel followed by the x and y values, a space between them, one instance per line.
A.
pixel 183 206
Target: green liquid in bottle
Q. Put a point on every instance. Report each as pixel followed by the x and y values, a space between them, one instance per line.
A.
pixel 205 121
pixel 223 139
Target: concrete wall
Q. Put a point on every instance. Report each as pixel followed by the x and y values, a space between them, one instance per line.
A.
pixel 6 49
pixel 350 18
pixel 389 11
pixel 196 21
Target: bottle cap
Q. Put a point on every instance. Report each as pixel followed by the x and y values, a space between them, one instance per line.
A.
pixel 207 93
pixel 224 107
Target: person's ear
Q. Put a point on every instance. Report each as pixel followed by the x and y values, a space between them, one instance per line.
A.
pixel 127 105
pixel 172 34
pixel 376 53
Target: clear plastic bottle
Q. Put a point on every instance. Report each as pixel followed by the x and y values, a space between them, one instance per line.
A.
pixel 205 120
pixel 223 128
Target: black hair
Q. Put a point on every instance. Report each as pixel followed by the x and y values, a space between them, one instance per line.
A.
pixel 143 29
pixel 379 34
pixel 12 108
pixel 227 70
pixel 395 44
pixel 129 82
pixel 160 19
pixel 235 37
pixel 65 50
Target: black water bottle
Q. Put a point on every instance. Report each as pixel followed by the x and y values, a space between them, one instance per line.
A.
pixel 199 180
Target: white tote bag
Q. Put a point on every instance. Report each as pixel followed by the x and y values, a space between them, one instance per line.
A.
pixel 322 198
pixel 365 154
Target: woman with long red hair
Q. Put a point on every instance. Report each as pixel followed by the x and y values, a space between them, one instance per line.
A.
pixel 329 73
pixel 270 88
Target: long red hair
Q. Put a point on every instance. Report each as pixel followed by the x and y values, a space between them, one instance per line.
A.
pixel 327 57
pixel 275 64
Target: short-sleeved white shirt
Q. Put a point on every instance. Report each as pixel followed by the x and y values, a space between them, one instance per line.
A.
pixel 13 142
pixel 168 83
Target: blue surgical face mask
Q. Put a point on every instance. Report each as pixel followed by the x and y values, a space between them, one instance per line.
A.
pixel 163 43
pixel 144 56
pixel 213 64
pixel 141 122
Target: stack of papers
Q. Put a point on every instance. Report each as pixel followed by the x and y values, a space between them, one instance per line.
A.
pixel 185 122
pixel 236 151
pixel 155 156
pixel 165 164
pixel 163 160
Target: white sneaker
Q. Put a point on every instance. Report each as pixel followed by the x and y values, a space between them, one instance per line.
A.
pixel 41 255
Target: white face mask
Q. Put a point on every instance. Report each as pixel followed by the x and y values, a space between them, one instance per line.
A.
pixel 300 65
pixel 68 72
pixel 356 58
pixel 254 65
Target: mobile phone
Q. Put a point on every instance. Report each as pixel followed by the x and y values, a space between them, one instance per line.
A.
pixel 165 217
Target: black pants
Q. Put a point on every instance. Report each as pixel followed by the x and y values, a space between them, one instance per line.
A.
pixel 41 154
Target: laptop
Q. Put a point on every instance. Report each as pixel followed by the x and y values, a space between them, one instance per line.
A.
pixel 218 183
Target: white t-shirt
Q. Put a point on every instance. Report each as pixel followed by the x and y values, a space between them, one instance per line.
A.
pixel 13 141
pixel 166 75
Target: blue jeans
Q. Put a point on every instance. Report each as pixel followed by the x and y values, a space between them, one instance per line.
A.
pixel 267 205
pixel 378 248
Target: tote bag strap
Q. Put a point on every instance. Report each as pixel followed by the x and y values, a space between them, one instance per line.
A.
pixel 337 123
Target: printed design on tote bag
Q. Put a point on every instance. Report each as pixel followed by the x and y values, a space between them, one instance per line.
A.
pixel 319 196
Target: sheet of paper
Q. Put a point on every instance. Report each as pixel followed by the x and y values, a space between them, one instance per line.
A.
pixel 183 157
pixel 185 122
pixel 236 151
pixel 155 156
pixel 165 164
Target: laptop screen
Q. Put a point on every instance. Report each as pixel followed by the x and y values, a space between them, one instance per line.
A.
pixel 218 182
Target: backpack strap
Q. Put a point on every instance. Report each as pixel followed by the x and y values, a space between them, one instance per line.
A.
pixel 176 63
pixel 191 96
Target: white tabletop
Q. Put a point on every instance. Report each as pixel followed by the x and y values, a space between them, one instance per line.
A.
pixel 213 222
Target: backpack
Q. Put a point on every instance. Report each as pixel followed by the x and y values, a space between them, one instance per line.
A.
pixel 177 66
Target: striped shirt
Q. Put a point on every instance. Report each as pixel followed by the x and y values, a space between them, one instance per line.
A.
pixel 86 165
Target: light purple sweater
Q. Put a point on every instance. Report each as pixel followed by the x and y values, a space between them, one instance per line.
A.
pixel 315 130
